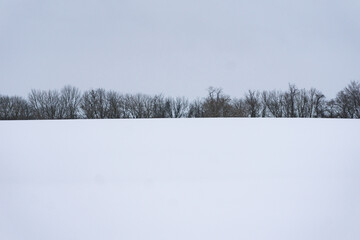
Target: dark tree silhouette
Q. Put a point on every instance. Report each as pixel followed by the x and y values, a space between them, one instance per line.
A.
pixel 69 103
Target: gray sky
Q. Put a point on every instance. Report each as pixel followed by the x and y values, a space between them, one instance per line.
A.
pixel 178 47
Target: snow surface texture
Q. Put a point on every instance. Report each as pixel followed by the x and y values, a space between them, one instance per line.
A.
pixel 180 179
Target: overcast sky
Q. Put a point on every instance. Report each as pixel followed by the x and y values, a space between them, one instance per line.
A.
pixel 178 48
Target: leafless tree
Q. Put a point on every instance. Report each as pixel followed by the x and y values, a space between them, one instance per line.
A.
pixel 5 108
pixel 348 101
pixel 158 106
pixel 302 104
pixel 98 103
pixel 217 104
pixel 45 104
pixel 274 101
pixel 94 103
pixel 238 108
pixel 70 100
pixel 196 109
pixel 14 108
pixel 115 105
pixel 330 109
pixel 253 103
pixel 21 109
pixel 178 107
pixel 139 106
pixel 265 112
pixel 317 103
pixel 290 101
pixel 310 103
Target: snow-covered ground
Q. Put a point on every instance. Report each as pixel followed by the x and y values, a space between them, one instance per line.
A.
pixel 182 179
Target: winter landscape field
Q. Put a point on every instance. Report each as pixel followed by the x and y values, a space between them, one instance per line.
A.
pixel 180 179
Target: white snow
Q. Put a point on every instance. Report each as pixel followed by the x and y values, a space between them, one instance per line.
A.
pixel 183 179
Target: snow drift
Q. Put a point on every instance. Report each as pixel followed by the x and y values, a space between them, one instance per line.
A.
pixel 180 179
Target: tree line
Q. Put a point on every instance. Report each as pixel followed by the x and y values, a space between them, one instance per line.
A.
pixel 70 103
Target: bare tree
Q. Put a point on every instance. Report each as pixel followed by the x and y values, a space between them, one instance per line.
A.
pixel 302 104
pixel 196 109
pixel 274 102
pixel 94 103
pixel 98 103
pixel 115 105
pixel 158 107
pixel 264 108
pixel 45 104
pixel 330 109
pixel 21 109
pixel 238 108
pixel 178 107
pixel 70 100
pixel 14 108
pixel 317 103
pixel 139 106
pixel 217 104
pixel 348 101
pixel 253 103
pixel 5 108
pixel 290 101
